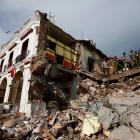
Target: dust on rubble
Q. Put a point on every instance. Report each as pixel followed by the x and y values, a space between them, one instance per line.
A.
pixel 101 111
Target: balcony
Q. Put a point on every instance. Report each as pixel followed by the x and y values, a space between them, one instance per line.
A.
pixel 21 57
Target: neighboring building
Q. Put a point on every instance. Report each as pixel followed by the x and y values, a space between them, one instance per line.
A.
pixel 89 57
pixel 40 56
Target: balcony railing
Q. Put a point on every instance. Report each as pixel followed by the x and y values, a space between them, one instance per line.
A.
pixel 21 57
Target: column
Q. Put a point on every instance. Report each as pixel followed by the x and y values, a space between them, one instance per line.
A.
pixel 7 92
pixel 25 90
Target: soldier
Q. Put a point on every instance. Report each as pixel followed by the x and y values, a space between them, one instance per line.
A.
pixel 104 66
pixel 124 61
pixel 116 64
pixel 131 55
pixel 136 59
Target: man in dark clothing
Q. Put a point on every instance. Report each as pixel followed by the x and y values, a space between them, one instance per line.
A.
pixel 124 61
pixel 136 59
pixel 131 55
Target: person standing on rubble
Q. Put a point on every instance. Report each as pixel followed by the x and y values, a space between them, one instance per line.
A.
pixel 110 66
pixel 131 55
pixel 124 61
pixel 136 58
pixel 104 66
pixel 116 63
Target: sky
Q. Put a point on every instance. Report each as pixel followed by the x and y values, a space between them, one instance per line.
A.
pixel 113 24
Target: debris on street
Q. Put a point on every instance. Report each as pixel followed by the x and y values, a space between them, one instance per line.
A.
pixel 61 88
pixel 100 111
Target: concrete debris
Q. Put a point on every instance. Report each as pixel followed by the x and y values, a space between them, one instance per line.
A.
pixel 135 120
pixel 9 123
pixel 100 111
pixel 107 133
pixel 122 133
pixel 67 124
pixel 107 117
pixel 91 125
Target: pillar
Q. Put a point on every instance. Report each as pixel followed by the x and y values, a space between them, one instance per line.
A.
pixel 25 90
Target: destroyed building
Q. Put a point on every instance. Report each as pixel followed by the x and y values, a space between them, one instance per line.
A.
pixel 89 57
pixel 38 68
pixel 38 60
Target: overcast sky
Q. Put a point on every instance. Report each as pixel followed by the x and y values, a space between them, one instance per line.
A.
pixel 113 24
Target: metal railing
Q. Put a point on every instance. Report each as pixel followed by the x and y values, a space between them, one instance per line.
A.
pixel 21 57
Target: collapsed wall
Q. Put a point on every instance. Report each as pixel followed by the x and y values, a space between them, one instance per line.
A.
pixel 51 82
pixel 100 111
pixel 53 78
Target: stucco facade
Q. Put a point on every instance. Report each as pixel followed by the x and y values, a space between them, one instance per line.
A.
pixel 16 75
pixel 89 57
pixel 39 65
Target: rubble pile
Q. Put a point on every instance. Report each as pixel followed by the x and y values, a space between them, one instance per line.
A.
pixel 116 105
pixel 70 124
pixel 100 112
pixel 100 91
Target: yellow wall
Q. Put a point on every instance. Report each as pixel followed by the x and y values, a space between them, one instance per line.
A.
pixel 63 50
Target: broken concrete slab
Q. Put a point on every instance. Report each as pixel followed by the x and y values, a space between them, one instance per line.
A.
pixel 107 117
pixel 122 133
pixel 127 101
pixel 9 123
pixel 135 120
pixel 91 125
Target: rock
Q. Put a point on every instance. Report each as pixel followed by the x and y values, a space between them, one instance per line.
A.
pixel 25 122
pixel 75 103
pixel 120 91
pixel 129 94
pixel 82 136
pixel 89 83
pixel 135 121
pixel 20 114
pixel 122 133
pixel 136 133
pixel 137 92
pixel 92 89
pixel 91 125
pixel 125 101
pixel 94 107
pixel 107 133
pixel 9 123
pixel 102 86
pixel 84 98
pixel 107 117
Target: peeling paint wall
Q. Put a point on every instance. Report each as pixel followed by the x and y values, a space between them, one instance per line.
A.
pixel 35 74
pixel 83 58
pixel 21 65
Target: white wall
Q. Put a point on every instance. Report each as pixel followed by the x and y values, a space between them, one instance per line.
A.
pixel 33 23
